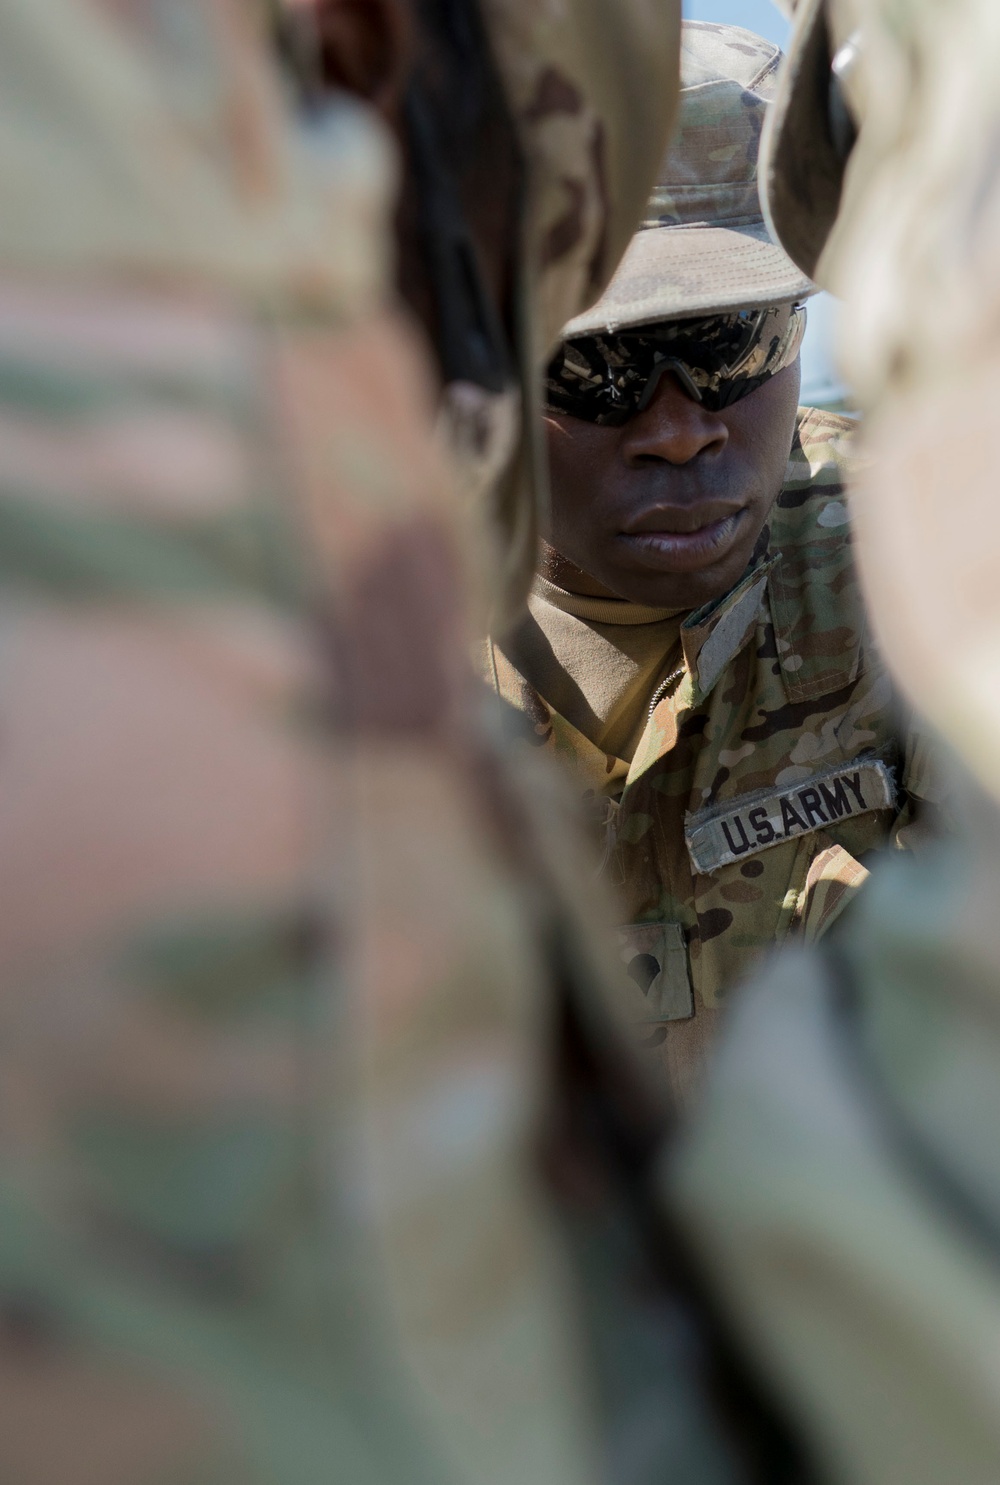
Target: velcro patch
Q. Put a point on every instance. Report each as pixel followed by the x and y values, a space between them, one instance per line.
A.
pixel 755 822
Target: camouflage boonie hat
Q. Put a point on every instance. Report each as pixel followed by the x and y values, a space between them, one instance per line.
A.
pixel 703 247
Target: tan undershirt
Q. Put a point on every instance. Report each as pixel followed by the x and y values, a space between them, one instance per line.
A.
pixel 598 661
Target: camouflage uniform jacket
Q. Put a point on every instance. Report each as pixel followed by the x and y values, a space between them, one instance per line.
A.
pixel 771 763
pixel 266 935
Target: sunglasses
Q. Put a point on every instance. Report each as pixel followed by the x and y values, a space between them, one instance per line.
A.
pixel 607 379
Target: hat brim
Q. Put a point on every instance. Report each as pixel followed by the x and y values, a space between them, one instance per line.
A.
pixel 801 172
pixel 671 273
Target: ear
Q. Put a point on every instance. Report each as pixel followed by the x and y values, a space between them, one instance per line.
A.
pixel 367 48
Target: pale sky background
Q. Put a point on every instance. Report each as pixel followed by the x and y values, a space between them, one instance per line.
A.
pixel 757 15
pixel 819 380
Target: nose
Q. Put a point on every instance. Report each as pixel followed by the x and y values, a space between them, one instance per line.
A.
pixel 673 428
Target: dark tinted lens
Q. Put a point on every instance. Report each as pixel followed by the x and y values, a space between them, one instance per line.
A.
pixel 603 378
pixel 616 396
pixel 592 404
pixel 597 379
pixel 726 391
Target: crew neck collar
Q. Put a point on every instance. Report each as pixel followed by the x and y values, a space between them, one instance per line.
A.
pixel 602 610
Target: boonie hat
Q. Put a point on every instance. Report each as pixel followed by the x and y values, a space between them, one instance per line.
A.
pixel 704 248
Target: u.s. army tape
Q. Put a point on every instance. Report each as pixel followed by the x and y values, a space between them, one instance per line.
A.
pixel 751 823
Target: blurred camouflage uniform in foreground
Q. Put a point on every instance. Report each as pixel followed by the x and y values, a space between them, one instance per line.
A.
pixel 842 1178
pixel 275 969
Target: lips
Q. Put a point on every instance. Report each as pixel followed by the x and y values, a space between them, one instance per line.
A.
pixel 681 520
pixel 678 539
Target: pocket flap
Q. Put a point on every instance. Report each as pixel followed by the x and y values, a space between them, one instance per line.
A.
pixel 655 956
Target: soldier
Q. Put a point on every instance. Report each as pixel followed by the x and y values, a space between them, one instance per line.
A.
pixel 840 1180
pixel 696 643
pixel 270 893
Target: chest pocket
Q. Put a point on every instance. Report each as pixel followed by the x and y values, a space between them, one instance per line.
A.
pixel 655 956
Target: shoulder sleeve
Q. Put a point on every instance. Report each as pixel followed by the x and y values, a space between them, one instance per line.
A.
pixel 814 594
pixel 824 450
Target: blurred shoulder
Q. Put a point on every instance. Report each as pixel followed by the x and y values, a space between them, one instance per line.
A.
pixel 823 449
pixel 812 504
pixel 815 586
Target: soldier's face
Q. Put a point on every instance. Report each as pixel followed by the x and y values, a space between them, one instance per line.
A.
pixel 666 509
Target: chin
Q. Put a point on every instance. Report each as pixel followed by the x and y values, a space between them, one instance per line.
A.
pixel 687 590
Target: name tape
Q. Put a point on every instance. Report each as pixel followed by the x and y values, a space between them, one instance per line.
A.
pixel 755 822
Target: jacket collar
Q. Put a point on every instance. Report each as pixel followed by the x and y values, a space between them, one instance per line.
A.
pixel 713 635
pixel 711 638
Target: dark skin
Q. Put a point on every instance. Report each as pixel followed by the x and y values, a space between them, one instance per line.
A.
pixel 376 49
pixel 666 510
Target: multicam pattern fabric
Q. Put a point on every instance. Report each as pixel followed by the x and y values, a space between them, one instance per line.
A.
pixel 607 379
pixel 594 102
pixel 841 1179
pixel 729 77
pixel 933 255
pixel 195 178
pixel 703 247
pixel 779 714
pixel 177 1248
pixel 593 98
pixel 276 935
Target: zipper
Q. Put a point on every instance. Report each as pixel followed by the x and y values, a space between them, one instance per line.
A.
pixel 663 688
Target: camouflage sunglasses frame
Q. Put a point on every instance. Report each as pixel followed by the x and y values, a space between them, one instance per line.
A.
pixel 609 378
